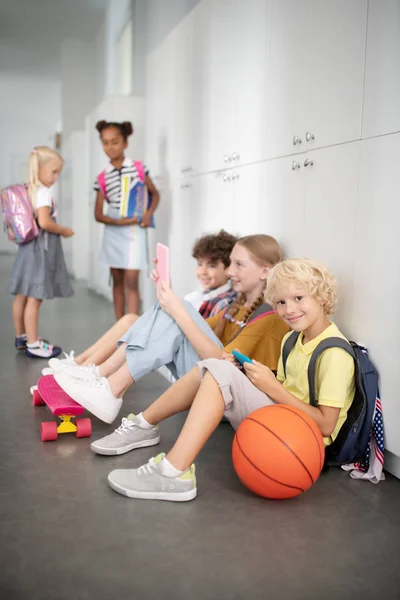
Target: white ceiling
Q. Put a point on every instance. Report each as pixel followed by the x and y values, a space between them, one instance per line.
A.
pixel 31 32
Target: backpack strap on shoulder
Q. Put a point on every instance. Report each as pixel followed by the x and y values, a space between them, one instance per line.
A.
pixel 140 169
pixel 288 347
pixel 332 342
pixel 101 180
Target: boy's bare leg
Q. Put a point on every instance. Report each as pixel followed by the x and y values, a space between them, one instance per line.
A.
pixel 203 418
pixel 104 347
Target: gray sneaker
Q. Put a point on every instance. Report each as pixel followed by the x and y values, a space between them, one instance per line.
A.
pixel 149 483
pixel 127 437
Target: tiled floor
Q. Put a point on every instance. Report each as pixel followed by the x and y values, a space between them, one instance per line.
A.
pixel 64 534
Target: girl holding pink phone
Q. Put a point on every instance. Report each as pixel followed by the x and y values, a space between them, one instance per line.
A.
pixel 174 334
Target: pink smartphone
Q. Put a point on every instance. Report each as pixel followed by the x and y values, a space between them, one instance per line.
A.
pixel 162 255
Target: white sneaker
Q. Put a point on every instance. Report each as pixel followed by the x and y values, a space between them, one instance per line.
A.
pixel 93 394
pixel 80 371
pixel 69 359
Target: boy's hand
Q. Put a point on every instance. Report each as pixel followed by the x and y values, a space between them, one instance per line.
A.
pixel 261 376
pixel 169 301
pixel 154 274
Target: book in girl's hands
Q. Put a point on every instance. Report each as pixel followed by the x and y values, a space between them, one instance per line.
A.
pixel 134 199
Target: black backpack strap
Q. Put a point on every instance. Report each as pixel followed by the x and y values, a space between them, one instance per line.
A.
pixel 288 347
pixel 332 342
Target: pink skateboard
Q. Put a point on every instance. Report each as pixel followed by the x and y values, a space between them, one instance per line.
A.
pixel 61 405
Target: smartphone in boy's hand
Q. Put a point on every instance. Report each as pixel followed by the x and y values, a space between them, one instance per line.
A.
pixel 162 253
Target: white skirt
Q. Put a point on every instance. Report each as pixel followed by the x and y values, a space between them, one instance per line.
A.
pixel 124 247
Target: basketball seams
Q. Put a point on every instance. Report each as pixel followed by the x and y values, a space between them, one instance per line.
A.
pixel 322 459
pixel 293 487
pixel 284 444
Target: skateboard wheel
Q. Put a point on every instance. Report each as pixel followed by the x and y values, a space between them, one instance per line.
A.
pixel 83 428
pixel 37 399
pixel 48 431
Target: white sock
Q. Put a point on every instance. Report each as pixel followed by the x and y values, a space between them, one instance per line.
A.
pixel 34 344
pixel 143 424
pixel 169 470
pixel 97 371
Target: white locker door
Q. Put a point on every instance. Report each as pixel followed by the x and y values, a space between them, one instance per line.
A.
pixel 381 112
pixel 182 237
pixel 249 199
pixel 251 82
pixel 287 90
pixel 330 214
pixel 333 70
pixel 159 112
pixel 182 138
pixel 213 203
pixel 214 105
pixel 376 289
pixel 282 215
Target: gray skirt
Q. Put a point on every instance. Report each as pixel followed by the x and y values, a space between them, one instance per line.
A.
pixel 39 269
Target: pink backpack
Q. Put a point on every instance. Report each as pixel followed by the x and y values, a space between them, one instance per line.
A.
pixel 18 216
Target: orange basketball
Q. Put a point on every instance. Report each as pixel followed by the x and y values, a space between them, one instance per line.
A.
pixel 278 452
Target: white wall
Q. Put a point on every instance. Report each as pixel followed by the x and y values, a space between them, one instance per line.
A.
pixel 78 69
pixel 152 21
pixel 30 109
pixel 118 14
pixel 226 92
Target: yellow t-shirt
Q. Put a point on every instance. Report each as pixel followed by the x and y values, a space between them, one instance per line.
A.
pixel 335 383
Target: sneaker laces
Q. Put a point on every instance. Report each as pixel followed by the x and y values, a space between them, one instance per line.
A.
pixel 88 367
pixel 126 425
pixel 148 468
pixel 43 345
pixel 69 358
pixel 97 381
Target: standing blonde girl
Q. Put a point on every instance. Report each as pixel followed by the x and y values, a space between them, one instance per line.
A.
pixel 39 270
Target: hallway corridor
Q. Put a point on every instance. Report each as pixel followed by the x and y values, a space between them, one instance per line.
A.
pixel 64 534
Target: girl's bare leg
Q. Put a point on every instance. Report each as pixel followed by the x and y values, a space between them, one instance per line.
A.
pixel 120 381
pixel 31 319
pixel 132 290
pixel 118 276
pixel 101 350
pixel 114 363
pixel 18 308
